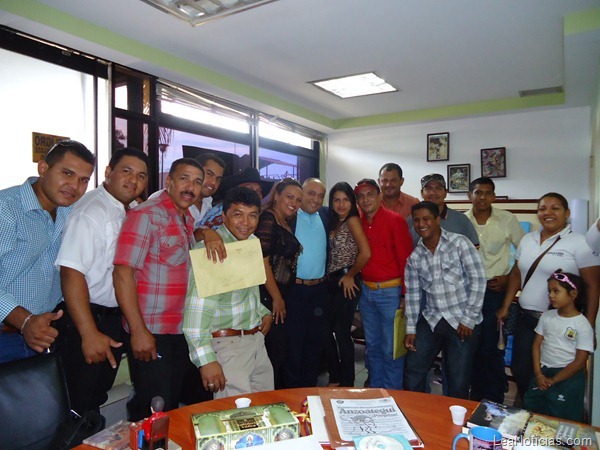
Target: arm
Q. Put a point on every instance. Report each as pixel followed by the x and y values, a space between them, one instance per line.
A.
pixel 577 365
pixel 273 290
pixel 476 281
pixel 412 303
pixel 215 248
pixel 96 346
pixel 542 382
pixel 364 253
pixel 513 285
pixel 143 344
pixel 593 236
pixel 591 279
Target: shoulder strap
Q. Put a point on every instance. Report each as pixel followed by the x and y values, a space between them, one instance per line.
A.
pixel 536 262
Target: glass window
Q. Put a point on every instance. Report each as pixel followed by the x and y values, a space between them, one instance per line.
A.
pixel 277 165
pixel 132 90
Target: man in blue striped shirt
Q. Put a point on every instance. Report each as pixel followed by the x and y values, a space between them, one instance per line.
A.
pixel 32 217
pixel 448 269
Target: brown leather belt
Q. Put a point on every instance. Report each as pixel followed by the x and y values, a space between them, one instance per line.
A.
pixel 9 329
pixel 231 332
pixel 373 285
pixel 310 282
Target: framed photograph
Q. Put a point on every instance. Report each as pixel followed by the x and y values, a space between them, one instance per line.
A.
pixel 438 147
pixel 459 177
pixel 493 162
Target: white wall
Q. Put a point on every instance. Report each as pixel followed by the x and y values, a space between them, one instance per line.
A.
pixel 545 151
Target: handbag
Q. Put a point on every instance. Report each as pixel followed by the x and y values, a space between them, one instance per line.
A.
pixel 73 431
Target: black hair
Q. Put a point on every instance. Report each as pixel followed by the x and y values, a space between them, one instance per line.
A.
pixel 278 188
pixel 344 187
pixel 127 151
pixel 57 152
pixel 481 180
pixel 205 157
pixel 432 207
pixel 241 195
pixel 579 284
pixel 557 196
pixel 186 162
pixel 157 403
pixel 391 166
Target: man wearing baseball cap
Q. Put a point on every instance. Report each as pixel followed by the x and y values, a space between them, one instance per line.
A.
pixel 383 275
pixel 433 189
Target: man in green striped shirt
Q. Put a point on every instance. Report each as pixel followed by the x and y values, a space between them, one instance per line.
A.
pixel 225 332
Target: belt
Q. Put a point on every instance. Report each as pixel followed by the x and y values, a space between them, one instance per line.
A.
pixel 532 313
pixel 383 284
pixel 310 282
pixel 231 332
pixel 9 329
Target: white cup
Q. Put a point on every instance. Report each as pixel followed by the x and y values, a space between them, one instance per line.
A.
pixel 244 402
pixel 458 414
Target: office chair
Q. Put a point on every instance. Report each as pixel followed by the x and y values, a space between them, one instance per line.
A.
pixel 33 402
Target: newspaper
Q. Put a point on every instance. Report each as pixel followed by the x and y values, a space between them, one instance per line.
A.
pixel 363 417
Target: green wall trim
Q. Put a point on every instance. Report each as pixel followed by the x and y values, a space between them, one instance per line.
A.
pixel 467 109
pixel 39 12
pixel 581 21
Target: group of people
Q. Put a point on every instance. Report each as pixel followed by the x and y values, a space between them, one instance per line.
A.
pixel 98 275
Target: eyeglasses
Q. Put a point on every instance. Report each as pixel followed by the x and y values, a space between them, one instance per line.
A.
pixel 564 278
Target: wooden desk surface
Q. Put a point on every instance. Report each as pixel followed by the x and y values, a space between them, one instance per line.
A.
pixel 428 414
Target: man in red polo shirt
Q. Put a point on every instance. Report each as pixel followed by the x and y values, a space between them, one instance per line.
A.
pixel 150 278
pixel 391 245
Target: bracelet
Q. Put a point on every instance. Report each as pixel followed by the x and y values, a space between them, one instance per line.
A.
pixel 25 322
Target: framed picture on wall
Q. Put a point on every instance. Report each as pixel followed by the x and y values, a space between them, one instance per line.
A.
pixel 438 147
pixel 493 162
pixel 459 177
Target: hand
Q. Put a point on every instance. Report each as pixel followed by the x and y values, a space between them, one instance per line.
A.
pixel 350 287
pixel 542 382
pixel 213 378
pixel 409 342
pixel 215 248
pixel 501 315
pixel 96 348
pixel 464 332
pixel 279 310
pixel 497 284
pixel 143 345
pixel 265 326
pixel 38 333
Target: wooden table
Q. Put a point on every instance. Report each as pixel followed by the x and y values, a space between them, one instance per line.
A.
pixel 428 414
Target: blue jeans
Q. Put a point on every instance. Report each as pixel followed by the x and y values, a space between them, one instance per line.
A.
pixel 457 357
pixel 13 347
pixel 377 311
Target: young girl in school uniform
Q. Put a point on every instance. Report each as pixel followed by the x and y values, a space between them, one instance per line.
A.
pixel 564 339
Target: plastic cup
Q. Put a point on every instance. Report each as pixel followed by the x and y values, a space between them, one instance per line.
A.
pixel 244 402
pixel 458 414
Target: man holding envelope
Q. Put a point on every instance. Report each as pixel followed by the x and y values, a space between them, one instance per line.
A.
pixel 225 332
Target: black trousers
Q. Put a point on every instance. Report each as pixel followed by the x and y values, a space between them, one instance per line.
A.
pixel 88 384
pixel 522 363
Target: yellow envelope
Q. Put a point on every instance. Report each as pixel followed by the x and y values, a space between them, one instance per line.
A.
pixel 399 334
pixel 242 268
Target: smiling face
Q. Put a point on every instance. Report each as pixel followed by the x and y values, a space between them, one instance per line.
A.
pixel 313 196
pixel 341 204
pixel 390 183
pixel 552 215
pixel 287 203
pixel 213 173
pixel 184 186
pixel 426 225
pixel 63 183
pixel 241 220
pixel 368 200
pixel 482 197
pixel 127 180
pixel 434 192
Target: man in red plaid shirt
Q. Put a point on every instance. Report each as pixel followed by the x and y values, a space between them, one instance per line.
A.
pixel 151 278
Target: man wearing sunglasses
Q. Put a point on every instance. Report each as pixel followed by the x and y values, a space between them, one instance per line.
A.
pixel 33 216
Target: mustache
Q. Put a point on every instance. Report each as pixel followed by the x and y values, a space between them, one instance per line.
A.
pixel 188 193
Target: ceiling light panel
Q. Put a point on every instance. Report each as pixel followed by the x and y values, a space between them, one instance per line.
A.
pixel 355 85
pixel 197 12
